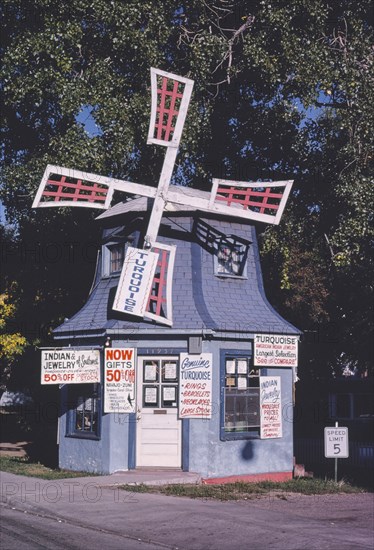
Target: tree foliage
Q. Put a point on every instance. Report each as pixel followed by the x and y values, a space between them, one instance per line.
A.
pixel 282 90
pixel 12 342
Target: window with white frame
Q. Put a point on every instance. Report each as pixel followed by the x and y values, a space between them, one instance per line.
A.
pixel 230 257
pixel 240 415
pixel 116 257
pixel 113 256
pixel 113 253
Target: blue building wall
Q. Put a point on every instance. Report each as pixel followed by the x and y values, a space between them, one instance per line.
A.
pixel 225 312
pixel 207 454
pixel 106 455
pixel 215 458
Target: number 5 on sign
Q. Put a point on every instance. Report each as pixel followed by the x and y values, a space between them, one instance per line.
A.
pixel 336 442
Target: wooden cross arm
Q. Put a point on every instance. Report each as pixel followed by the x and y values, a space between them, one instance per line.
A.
pixel 62 186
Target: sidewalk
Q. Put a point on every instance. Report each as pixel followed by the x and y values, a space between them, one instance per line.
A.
pixel 146 476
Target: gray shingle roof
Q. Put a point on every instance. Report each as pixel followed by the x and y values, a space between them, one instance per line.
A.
pixel 201 300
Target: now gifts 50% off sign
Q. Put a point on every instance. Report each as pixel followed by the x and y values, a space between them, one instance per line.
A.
pixel 119 376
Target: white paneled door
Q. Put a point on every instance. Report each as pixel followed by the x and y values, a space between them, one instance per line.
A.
pixel 159 431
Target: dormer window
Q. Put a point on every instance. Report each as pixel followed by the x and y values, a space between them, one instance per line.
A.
pixel 116 257
pixel 231 257
pixel 113 251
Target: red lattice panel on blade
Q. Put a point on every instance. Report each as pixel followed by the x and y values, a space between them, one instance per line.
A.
pixel 63 188
pixel 262 200
pixel 157 297
pixel 169 97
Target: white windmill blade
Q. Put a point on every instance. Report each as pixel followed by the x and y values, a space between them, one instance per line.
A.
pixel 62 186
pixel 160 306
pixel 258 201
pixel 171 96
pixel 271 197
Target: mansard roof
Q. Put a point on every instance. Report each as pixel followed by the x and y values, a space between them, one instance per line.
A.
pixel 201 300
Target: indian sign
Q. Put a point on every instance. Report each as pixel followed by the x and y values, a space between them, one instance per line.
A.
pixel 270 407
pixel 70 366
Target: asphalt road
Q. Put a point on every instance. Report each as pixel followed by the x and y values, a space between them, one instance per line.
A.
pixel 79 513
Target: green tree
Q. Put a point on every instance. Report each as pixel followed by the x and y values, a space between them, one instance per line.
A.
pixel 12 342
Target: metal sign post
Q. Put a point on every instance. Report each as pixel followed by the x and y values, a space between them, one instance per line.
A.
pixel 336 444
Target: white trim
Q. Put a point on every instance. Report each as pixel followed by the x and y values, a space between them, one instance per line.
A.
pixel 164 194
pixel 231 183
pixel 267 218
pixel 41 187
pixel 177 134
pixel 113 184
pixel 284 200
pixel 168 320
pixel 161 195
pixel 152 120
pixel 213 192
pixel 173 76
pixel 204 205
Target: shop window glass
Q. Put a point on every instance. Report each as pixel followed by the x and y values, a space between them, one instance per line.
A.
pixel 241 397
pixel 84 411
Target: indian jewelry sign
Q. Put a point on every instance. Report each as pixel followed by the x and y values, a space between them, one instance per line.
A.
pixel 135 282
pixel 275 350
pixel 270 407
pixel 119 377
pixel 70 366
pixel 195 396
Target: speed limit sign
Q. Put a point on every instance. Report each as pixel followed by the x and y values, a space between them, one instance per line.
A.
pixel 336 442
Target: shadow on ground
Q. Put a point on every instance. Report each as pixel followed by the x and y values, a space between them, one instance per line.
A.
pixel 25 436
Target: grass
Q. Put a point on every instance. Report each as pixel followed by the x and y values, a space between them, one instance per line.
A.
pixel 246 491
pixel 22 466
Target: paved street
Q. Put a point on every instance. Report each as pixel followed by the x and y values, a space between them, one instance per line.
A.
pixel 88 512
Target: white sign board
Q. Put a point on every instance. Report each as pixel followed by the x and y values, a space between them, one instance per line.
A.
pixel 336 442
pixel 70 366
pixel 195 390
pixel 274 350
pixel 119 380
pixel 270 407
pixel 135 283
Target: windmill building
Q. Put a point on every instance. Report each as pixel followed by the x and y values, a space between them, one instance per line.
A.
pixel 180 360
